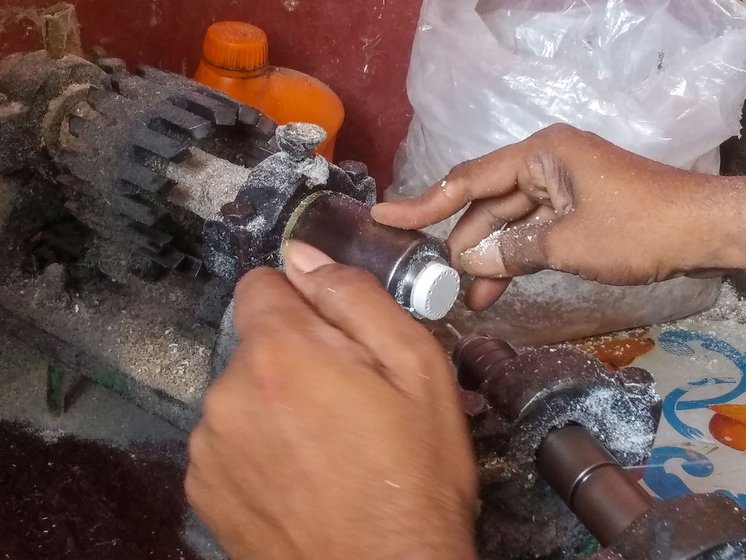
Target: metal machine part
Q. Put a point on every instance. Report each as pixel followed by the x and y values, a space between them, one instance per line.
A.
pixel 591 482
pixel 295 194
pixel 570 457
pixel 626 519
pixel 410 264
pixel 125 178
pixel 694 527
pixel 542 389
pixel 514 402
pixel 248 231
pixel 186 175
pixel 121 148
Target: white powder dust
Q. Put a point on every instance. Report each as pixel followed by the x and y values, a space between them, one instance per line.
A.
pixel 204 183
pixel 728 307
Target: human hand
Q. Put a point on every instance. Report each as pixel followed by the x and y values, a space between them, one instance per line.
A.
pixel 567 200
pixel 336 432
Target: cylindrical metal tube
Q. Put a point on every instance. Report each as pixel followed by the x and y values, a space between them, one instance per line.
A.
pixel 411 265
pixel 477 357
pixel 591 482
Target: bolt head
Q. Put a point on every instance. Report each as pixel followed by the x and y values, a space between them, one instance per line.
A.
pixel 299 140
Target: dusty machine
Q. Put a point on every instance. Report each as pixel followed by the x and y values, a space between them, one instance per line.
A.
pixel 554 432
pixel 134 201
pixel 130 203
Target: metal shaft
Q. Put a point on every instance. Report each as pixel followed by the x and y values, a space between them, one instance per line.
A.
pixel 411 265
pixel 478 358
pixel 591 482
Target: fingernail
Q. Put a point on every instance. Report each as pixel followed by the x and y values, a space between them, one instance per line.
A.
pixel 304 257
pixel 376 210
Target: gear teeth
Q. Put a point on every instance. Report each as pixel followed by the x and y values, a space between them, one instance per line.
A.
pixel 154 118
pixel 168 258
pixel 160 145
pixel 219 97
pixel 159 76
pixel 217 112
pixel 126 84
pixel 108 103
pixel 248 115
pixel 266 126
pixel 191 266
pixel 110 65
pixel 177 120
pixel 138 209
pixel 148 238
pixel 145 179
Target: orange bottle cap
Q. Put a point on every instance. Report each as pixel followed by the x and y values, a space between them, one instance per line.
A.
pixel 235 45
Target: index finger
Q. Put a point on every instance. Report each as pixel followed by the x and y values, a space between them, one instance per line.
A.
pixel 492 175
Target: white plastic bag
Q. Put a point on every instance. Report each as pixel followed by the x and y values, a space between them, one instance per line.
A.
pixel 663 78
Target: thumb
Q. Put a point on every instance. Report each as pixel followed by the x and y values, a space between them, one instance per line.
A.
pixel 509 252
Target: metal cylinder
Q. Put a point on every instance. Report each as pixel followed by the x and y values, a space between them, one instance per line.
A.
pixel 591 482
pixel 477 357
pixel 411 265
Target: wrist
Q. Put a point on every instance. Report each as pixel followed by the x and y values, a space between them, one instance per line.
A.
pixel 709 223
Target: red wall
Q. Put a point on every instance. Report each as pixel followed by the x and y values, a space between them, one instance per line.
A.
pixel 361 49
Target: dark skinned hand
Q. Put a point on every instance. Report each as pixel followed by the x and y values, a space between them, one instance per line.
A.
pixel 336 432
pixel 568 200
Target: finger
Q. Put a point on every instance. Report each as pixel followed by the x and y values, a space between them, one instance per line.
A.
pixel 510 252
pixel 267 304
pixel 489 176
pixel 484 292
pixel 540 215
pixel 486 216
pixel 356 303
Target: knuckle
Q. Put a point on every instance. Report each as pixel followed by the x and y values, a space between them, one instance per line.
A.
pixel 557 134
pixel 264 363
pixel 459 172
pixel 560 130
pixel 260 363
pixel 561 135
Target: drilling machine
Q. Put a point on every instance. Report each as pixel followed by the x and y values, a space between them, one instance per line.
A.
pixel 131 203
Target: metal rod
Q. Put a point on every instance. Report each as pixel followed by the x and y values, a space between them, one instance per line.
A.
pixel 591 482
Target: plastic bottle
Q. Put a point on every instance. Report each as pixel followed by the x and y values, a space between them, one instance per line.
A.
pixel 235 61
